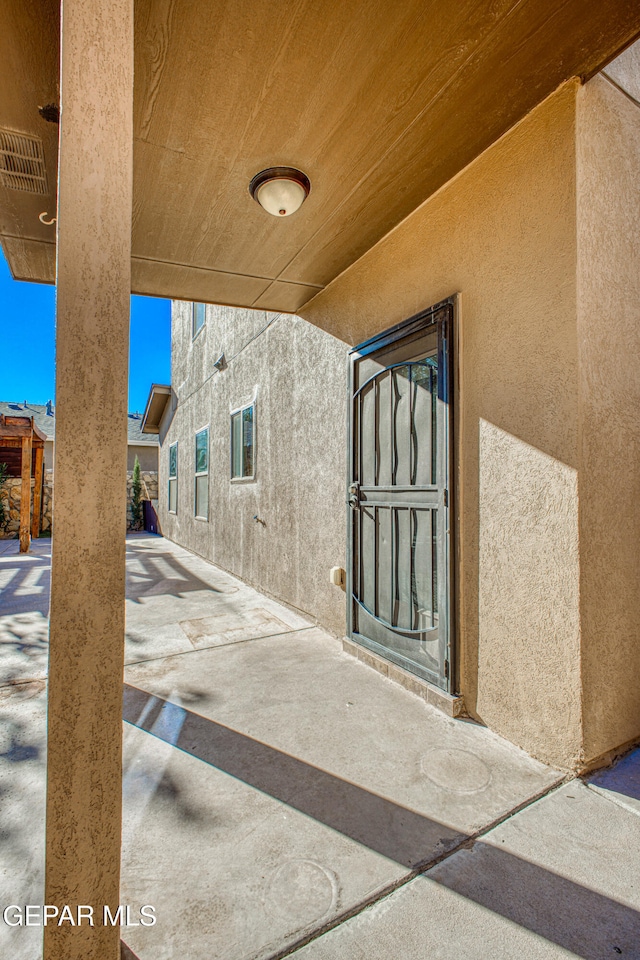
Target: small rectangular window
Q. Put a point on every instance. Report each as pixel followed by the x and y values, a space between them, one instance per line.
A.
pixel 242 443
pixel 202 474
pixel 198 316
pixel 173 478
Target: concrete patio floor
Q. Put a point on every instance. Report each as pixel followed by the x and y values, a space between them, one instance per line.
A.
pixel 282 798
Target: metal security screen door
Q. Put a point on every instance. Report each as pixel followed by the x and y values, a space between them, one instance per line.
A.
pixel 399 462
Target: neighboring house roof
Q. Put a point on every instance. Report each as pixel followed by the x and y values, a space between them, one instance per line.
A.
pixel 45 419
pixel 136 436
pixel 159 395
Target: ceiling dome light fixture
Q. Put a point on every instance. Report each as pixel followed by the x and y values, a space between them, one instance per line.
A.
pixel 280 190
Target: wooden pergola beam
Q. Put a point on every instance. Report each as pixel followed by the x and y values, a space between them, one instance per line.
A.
pixel 11 427
pixel 25 495
pixel 23 433
pixel 37 493
pixel 17 442
pixel 15 430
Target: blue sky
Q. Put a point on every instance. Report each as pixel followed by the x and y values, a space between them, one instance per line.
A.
pixel 27 325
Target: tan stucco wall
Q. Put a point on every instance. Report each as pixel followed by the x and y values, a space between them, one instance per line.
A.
pixel 147 455
pixel 608 153
pixel 297 374
pixel 503 234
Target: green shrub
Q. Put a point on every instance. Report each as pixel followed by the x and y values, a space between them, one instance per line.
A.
pixel 136 497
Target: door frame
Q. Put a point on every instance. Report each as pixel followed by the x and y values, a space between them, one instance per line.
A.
pixel 414 324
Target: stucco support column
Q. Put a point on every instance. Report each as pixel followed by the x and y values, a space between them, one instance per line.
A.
pixel 88 560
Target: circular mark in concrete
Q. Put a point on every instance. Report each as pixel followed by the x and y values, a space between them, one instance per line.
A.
pixel 456 770
pixel 300 892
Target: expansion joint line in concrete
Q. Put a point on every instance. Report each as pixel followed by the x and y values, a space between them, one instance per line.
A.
pixel 221 646
pixel 466 843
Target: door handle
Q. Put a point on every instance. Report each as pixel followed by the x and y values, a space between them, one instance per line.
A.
pixel 354 495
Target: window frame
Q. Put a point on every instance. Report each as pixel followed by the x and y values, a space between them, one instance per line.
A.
pixel 238 411
pixel 197 474
pixel 194 306
pixel 172 478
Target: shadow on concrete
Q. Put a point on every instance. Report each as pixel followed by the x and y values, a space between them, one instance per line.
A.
pixel 24 648
pixel 22 763
pixel 25 583
pixel 583 921
pixel 155 579
pixel 622 778
pixel 126 953
pixel 396 832
pixel 574 917
pixel 25 580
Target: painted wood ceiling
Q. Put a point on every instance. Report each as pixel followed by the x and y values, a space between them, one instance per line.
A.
pixel 378 103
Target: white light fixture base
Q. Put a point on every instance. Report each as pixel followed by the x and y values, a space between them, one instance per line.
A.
pixel 280 190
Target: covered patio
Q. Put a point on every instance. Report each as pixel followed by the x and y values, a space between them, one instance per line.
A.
pixel 266 803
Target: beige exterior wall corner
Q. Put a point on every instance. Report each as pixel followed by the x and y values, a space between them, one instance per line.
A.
pixel 608 170
pixel 86 655
pixel 503 235
pixel 147 455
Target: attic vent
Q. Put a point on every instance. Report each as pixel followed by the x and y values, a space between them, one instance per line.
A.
pixel 22 163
